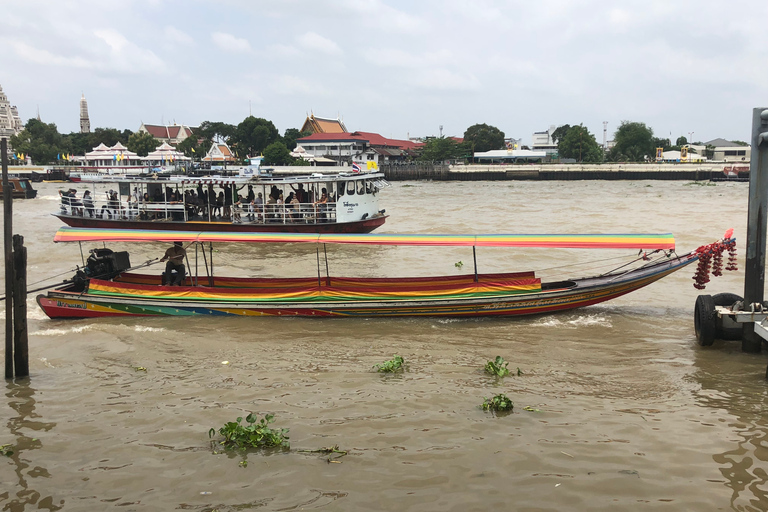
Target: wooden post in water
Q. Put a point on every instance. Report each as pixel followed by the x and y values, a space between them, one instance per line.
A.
pixel 757 219
pixel 7 233
pixel 20 339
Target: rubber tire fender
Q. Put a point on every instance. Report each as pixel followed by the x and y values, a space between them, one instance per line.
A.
pixel 704 320
pixel 725 327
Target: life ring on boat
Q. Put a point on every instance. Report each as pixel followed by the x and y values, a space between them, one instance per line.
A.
pixel 704 320
pixel 725 327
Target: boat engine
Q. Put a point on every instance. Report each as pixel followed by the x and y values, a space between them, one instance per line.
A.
pixel 101 264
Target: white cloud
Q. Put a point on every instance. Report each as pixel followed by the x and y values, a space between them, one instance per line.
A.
pixel 125 56
pixel 45 58
pixel 175 35
pixel 445 80
pixel 290 85
pixel 316 42
pixel 230 43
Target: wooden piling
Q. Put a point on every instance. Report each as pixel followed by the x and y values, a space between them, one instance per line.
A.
pixel 20 338
pixel 7 233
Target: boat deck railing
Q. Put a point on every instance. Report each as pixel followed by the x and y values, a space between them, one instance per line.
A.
pixel 178 211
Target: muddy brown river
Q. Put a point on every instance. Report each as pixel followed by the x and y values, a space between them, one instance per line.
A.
pixel 616 407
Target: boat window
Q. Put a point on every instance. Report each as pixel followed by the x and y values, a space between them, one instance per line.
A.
pixel 23 184
pixel 350 188
pixel 340 186
pixel 361 187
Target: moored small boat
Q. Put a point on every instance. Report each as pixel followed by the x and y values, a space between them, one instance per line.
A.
pixel 107 287
pixel 21 188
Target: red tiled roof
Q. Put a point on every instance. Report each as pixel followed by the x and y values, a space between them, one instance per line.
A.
pixel 159 132
pixel 374 139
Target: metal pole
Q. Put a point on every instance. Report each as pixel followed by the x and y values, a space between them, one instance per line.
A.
pixel 754 272
pixel 7 240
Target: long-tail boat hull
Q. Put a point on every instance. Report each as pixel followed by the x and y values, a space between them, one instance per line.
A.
pixel 452 296
pixel 360 226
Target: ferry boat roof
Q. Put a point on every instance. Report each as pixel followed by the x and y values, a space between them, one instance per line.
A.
pixel 218 179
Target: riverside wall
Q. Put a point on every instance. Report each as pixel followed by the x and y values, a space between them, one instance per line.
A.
pixel 564 172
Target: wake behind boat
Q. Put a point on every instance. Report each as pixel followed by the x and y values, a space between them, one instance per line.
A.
pixel 318 203
pixel 107 287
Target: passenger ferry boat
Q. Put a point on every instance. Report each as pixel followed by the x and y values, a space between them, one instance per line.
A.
pixel 317 203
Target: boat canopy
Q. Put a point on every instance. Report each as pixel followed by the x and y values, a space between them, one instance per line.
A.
pixel 579 241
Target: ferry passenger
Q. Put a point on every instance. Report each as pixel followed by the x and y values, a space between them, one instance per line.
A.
pixel 65 201
pixel 321 205
pixel 227 202
pixel 292 207
pixel 219 204
pixel 75 202
pixel 175 256
pixel 301 194
pixel 88 203
pixel 258 206
pixel 236 209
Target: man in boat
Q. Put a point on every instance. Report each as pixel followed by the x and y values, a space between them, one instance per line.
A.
pixel 175 256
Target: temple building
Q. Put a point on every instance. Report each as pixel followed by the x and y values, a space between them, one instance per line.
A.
pixel 219 153
pixel 171 134
pixel 85 122
pixel 314 124
pixel 9 116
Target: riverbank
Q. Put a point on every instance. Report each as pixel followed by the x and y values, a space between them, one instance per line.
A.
pixel 562 172
pixel 541 172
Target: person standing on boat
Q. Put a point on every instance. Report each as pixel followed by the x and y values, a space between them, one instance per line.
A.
pixel 175 256
pixel 321 205
pixel 249 199
pixel 88 203
pixel 258 205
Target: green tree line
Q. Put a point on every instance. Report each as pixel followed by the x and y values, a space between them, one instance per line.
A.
pixel 253 136
pixel 633 142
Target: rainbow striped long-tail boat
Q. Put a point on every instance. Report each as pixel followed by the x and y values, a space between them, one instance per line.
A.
pixel 116 291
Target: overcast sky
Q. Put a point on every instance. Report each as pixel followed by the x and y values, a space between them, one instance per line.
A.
pixel 395 67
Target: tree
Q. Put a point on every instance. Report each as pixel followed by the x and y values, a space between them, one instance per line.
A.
pixel 142 143
pixel 291 134
pixel 253 135
pixel 579 144
pixel 560 132
pixel 633 142
pixel 40 141
pixel 215 131
pixel 681 141
pixel 277 154
pixel 441 148
pixel 107 136
pixel 484 137
pixel 192 147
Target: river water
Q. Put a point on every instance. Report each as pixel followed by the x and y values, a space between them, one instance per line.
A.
pixel 625 410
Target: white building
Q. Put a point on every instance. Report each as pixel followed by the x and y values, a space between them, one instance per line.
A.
pixel 727 151
pixel 543 141
pixel 9 116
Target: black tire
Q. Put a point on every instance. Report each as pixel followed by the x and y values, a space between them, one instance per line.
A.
pixel 725 327
pixel 704 320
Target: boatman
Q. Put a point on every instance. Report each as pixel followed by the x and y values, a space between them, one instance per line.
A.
pixel 175 256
